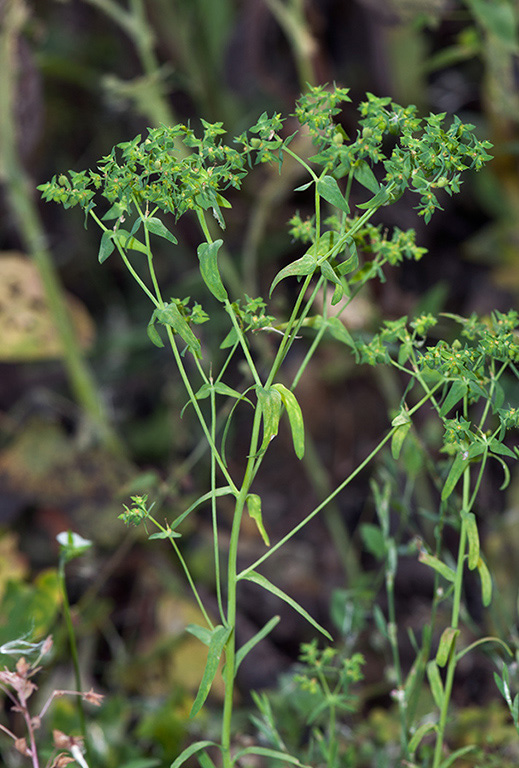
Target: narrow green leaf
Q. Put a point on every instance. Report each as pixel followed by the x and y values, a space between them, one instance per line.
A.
pixel 457 753
pixel 438 566
pixel 306 265
pixel 255 639
pixel 219 637
pixel 225 490
pixel 328 272
pixel 170 315
pixel 205 761
pixel 352 259
pixel 152 332
pixel 380 621
pixel 126 240
pixel 486 582
pixel 380 199
pixel 267 752
pixel 397 440
pixel 295 416
pixel 221 389
pixel 419 734
pixel 447 641
pixel 203 634
pixel 458 466
pixel 304 187
pixel 261 581
pixel 157 227
pixel 328 188
pixel 270 402
pixel 373 540
pixel 254 507
pixel 435 683
pixel 192 750
pixel 471 527
pixel 208 257
pixel 456 393
pixel 365 176
pixel 167 534
pixel 502 449
pixel 506 472
pixel 106 246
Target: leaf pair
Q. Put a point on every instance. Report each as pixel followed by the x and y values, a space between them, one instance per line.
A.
pixel 271 402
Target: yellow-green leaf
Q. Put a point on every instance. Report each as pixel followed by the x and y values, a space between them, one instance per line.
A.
pixel 447 641
pixel 254 507
pixel 208 257
pixel 295 417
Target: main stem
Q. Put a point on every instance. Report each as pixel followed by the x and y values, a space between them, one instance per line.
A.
pixel 456 605
pixel 232 580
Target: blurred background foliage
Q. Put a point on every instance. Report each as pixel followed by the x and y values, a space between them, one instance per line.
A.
pixel 88 407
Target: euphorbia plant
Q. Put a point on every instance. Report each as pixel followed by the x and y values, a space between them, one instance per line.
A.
pixel 145 186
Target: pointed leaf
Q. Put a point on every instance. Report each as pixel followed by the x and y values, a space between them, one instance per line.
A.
pixel 208 257
pixel 295 416
pixel 380 199
pixel 458 466
pixel 192 750
pixel 203 634
pixel 457 753
pixel 270 402
pixel 106 246
pixel 255 639
pixel 471 527
pixel 261 581
pixel 486 582
pixel 153 334
pixel 419 734
pixel 170 315
pixel 157 227
pixel 304 187
pixel 352 259
pixel 447 642
pixel 328 188
pixel 397 440
pixel 274 754
pixel 380 621
pixel 225 490
pixel 219 637
pixel 438 566
pixel 456 393
pixel 126 240
pixel 306 265
pixel 221 389
pixel 435 682
pixel 254 507
pixel 365 176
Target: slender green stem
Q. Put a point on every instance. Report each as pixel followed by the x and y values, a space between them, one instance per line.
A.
pixel 393 641
pixel 196 406
pixel 232 580
pixel 73 648
pixel 216 549
pixel 192 584
pixel 456 606
pixel 333 494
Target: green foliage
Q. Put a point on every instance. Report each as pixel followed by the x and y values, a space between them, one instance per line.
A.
pixel 147 185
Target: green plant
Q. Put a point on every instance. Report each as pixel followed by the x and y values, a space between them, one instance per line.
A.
pixel 144 184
